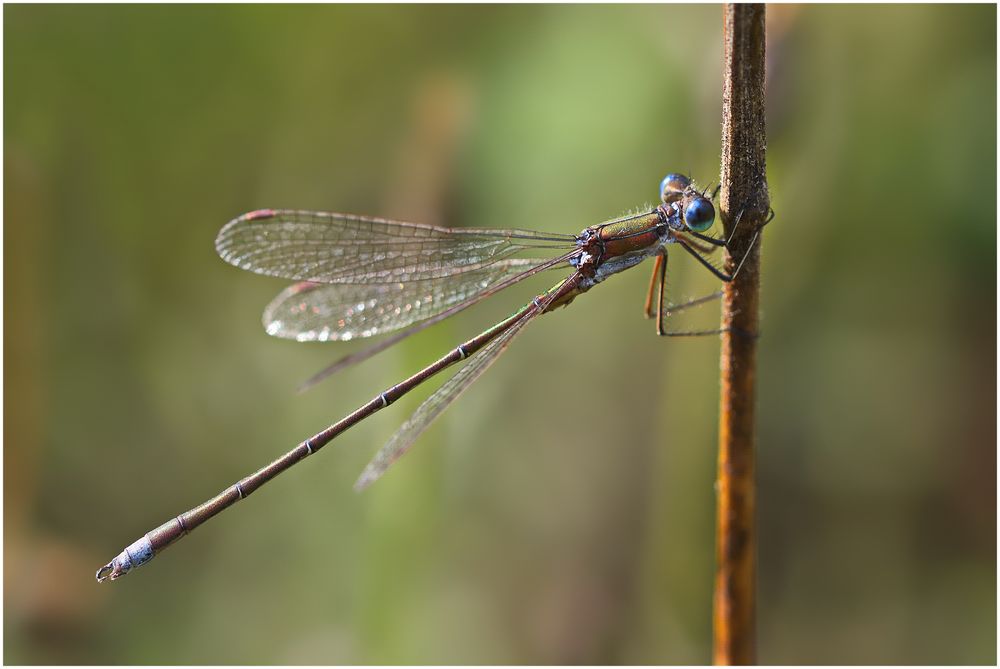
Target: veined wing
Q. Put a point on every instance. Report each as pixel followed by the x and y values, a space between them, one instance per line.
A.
pixel 432 407
pixel 450 390
pixel 437 315
pixel 340 248
pixel 309 311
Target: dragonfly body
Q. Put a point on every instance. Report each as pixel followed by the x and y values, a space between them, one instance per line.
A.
pixel 361 276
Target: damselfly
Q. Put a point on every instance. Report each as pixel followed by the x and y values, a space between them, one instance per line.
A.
pixel 359 277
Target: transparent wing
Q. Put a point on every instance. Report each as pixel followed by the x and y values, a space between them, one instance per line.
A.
pixel 432 407
pixel 449 391
pixel 432 318
pixel 309 311
pixel 339 248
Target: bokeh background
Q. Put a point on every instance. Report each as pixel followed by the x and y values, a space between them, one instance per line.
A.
pixel 563 510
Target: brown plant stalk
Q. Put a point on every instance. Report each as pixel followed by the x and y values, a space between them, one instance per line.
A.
pixel 745 204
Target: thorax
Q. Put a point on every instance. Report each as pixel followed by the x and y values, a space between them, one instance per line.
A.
pixel 615 246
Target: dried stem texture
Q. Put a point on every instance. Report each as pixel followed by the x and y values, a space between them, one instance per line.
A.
pixel 744 200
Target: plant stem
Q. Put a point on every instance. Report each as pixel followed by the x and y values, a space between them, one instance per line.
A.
pixel 744 200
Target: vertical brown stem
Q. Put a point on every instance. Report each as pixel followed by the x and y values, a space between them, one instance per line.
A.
pixel 744 199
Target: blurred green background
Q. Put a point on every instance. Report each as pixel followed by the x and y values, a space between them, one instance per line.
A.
pixel 563 510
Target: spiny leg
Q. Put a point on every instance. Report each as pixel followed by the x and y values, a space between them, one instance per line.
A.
pixel 674 308
pixel 715 270
pixel 701 248
pixel 662 312
pixel 660 315
pixel 725 242
pixel 652 284
pixel 690 246
pixel 691 333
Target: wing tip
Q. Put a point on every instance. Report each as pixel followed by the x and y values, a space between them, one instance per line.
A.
pixel 368 476
pixel 224 239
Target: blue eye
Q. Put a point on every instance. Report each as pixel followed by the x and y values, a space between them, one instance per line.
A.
pixel 673 185
pixel 699 215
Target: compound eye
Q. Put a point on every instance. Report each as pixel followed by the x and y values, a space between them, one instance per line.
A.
pixel 699 215
pixel 672 186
